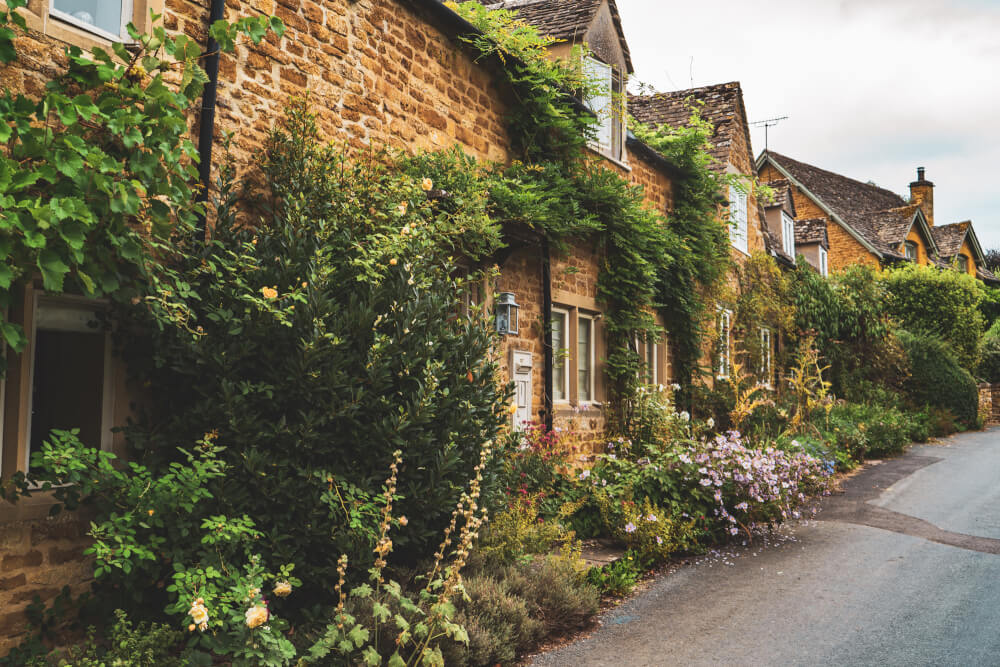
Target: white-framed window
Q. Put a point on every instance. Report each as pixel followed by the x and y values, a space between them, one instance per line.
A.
pixel 106 18
pixel 725 342
pixel 600 79
pixel 738 219
pixel 963 263
pixel 648 361
pixel 560 355
pixel 910 249
pixel 766 346
pixel 585 358
pixel 788 234
pixel 823 268
pixel 70 376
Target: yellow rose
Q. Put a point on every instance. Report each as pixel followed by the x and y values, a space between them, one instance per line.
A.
pixel 269 292
pixel 393 262
pixel 282 589
pixel 199 613
pixel 256 616
pixel 427 185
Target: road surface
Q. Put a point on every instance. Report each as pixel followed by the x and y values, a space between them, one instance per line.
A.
pixel 903 568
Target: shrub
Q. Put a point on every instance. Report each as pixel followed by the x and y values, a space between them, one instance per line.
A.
pixel 938 379
pixel 556 593
pixel 651 534
pixel 139 645
pixel 518 532
pixel 617 578
pixel 942 304
pixel 989 363
pixel 499 624
pixel 318 339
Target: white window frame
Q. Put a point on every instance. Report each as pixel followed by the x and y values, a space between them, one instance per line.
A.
pixel 963 263
pixel 725 343
pixel 591 358
pixel 69 302
pixel 562 354
pixel 824 267
pixel 126 18
pixel 788 234
pixel 916 250
pixel 603 105
pixel 648 351
pixel 739 224
pixel 766 361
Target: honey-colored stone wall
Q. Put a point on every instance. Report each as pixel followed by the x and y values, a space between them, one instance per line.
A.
pixel 38 556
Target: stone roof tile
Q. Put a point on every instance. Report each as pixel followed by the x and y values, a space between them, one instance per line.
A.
pixel 949 238
pixel 811 230
pixel 720 104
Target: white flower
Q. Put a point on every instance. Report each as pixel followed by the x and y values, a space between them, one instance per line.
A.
pixel 585 474
pixel 710 423
pixel 199 613
pixel 675 387
pixel 685 416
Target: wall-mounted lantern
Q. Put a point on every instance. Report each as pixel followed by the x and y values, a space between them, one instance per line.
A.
pixel 507 314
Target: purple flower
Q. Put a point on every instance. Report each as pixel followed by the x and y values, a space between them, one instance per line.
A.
pixel 629 527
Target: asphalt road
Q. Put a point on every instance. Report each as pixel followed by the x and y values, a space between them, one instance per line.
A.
pixel 903 568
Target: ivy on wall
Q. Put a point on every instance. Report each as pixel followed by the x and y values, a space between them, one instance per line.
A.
pixel 652 261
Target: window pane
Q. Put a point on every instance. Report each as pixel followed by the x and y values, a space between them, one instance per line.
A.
pixel 68 386
pixel 599 101
pixel 559 356
pixel 583 362
pixel 103 14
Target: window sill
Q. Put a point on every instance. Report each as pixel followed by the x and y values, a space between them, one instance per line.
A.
pixel 35 507
pixel 618 163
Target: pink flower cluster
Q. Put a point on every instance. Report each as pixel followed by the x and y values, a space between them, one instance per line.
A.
pixel 753 486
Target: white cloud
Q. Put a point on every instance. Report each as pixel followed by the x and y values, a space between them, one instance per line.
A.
pixel 872 88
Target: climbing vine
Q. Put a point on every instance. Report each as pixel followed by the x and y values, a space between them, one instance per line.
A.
pixel 652 262
pixel 98 176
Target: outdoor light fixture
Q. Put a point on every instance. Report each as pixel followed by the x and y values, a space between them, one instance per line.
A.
pixel 507 314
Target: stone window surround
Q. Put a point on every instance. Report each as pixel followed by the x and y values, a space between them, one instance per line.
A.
pixel 574 305
pixel 16 388
pixel 38 17
pixel 766 362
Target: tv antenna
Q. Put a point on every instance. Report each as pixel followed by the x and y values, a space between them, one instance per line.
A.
pixel 768 123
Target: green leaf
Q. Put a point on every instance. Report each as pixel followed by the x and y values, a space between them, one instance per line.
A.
pixel 53 270
pixel 371 657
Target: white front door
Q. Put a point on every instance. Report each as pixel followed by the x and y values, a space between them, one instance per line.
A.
pixel 521 370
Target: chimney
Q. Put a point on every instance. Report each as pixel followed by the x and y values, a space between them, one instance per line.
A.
pixel 922 194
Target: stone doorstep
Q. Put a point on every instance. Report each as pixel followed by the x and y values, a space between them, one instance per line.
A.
pixel 600 552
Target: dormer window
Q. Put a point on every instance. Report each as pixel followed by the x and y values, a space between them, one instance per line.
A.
pixel 823 269
pixel 605 94
pixel 910 248
pixel 963 263
pixel 788 234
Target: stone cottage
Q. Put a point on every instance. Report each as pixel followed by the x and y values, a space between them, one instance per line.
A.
pixel 867 224
pixel 378 72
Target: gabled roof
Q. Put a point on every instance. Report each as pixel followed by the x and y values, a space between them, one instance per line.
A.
pixel 949 239
pixel 812 230
pixel 774 246
pixel 850 203
pixel 720 104
pixel 893 226
pixel 567 20
pixel 782 195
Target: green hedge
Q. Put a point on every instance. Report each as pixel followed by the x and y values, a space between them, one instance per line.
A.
pixel 937 379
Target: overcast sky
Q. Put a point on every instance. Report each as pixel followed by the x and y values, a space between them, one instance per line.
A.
pixel 872 88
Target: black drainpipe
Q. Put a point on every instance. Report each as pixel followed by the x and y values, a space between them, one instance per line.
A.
pixel 547 326
pixel 206 130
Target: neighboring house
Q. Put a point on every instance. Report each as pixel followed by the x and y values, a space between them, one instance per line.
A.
pixel 867 224
pixel 569 382
pixel 722 106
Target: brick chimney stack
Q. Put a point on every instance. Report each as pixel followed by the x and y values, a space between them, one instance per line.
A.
pixel 922 194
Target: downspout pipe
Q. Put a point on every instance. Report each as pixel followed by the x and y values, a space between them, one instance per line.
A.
pixel 547 327
pixel 206 129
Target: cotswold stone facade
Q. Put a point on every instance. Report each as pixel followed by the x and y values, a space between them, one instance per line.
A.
pixel 377 73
